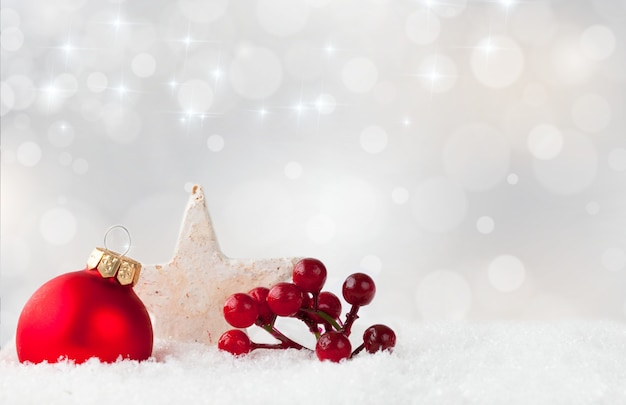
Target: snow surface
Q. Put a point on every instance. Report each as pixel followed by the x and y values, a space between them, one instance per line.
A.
pixel 577 362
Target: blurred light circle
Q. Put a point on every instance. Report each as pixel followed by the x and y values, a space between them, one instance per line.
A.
pixel 195 96
pixel 497 61
pixel 97 82
pixel 7 98
pixel 439 205
pixel 293 170
pixel 617 159
pixel 9 18
pixel 448 8
pixel 545 141
pixel 443 294
pixel 320 229
pixel 326 103
pixel 591 113
pixel 592 208
pixel 143 65
pixel 372 264
pixel 58 226
pixel 255 73
pixel 400 195
pixel 572 170
pixel 61 134
pixel 614 259
pixel 359 75
pixel 512 178
pixel 373 139
pixel 24 91
pixel 28 153
pixel 80 166
pixel 437 73
pixel 506 273
pixel 203 11
pixel 422 27
pixel 66 85
pixel 282 17
pixel 597 42
pixel 485 225
pixel 215 143
pixel 477 156
pixel 11 39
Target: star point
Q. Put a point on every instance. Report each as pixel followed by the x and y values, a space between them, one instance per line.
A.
pixel 186 295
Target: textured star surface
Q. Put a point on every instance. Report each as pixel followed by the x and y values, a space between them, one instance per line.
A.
pixel 186 295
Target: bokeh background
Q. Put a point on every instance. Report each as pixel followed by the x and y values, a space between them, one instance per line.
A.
pixel 470 155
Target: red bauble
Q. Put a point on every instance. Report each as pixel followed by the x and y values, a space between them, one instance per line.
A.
pixel 80 315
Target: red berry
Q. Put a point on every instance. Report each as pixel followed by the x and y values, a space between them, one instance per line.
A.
pixel 330 304
pixel 310 275
pixel 259 294
pixel 359 289
pixel 240 310
pixel 333 346
pixel 379 337
pixel 284 299
pixel 235 342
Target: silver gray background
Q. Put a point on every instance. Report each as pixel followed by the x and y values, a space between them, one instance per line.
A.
pixel 470 155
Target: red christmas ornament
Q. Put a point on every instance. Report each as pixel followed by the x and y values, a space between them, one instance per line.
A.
pixel 89 313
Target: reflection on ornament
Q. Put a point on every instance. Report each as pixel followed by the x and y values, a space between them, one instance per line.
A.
pixel 186 295
pixel 85 314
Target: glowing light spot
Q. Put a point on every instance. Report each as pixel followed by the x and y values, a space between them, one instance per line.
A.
pixel 506 273
pixel 485 225
pixel 545 141
pixel 373 139
pixel 497 61
pixel 359 75
pixel 597 42
pixel 215 143
pixel 29 153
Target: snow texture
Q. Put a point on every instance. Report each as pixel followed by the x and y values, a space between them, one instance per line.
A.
pixel 579 362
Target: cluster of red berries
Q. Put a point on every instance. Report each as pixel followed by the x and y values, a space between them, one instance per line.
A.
pixel 319 310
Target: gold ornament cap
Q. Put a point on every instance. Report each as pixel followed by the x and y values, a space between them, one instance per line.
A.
pixel 112 264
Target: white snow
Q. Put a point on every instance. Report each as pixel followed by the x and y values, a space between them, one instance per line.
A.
pixel 575 362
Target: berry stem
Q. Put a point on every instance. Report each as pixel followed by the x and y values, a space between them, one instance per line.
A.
pixel 286 343
pixel 325 317
pixel 350 318
pixel 358 350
